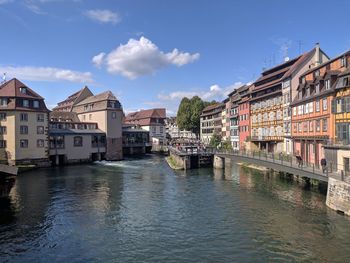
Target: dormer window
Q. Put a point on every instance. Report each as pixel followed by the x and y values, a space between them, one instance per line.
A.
pixel 317 88
pixel 327 84
pixel 345 82
pixel 23 90
pixel 317 73
pixel 343 62
pixel 25 103
pixel 307 92
pixel 36 104
pixel 91 106
pixel 303 80
pixel 3 102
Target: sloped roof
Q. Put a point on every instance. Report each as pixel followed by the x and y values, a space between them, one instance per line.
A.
pixel 107 95
pixel 213 106
pixel 282 71
pixel 144 114
pixel 12 87
pixel 69 102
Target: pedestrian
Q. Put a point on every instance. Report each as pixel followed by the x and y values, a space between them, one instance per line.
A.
pixel 324 165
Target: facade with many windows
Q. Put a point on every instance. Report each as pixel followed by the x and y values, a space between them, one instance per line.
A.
pixel 211 122
pixel 72 141
pixel 103 109
pixel 313 124
pixel 152 120
pixel 244 116
pixel 234 119
pixel 270 101
pixel 23 125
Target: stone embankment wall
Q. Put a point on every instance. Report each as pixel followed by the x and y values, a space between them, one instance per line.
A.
pixel 178 160
pixel 338 195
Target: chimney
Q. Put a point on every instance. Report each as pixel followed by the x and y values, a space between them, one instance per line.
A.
pixel 318 59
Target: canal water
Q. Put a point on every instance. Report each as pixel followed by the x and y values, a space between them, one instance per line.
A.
pixel 139 210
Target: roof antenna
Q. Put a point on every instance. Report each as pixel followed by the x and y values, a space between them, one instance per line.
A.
pixel 3 78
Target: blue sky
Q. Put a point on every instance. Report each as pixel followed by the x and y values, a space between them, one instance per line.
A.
pixel 151 53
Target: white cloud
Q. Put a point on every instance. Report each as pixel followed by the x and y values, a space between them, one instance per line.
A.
pixel 47 74
pixel 98 59
pixel 103 16
pixel 142 57
pixel 215 92
pixel 171 101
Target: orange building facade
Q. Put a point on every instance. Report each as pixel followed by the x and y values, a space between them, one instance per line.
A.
pixel 313 123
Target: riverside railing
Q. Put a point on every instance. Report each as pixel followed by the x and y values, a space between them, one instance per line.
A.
pixel 282 159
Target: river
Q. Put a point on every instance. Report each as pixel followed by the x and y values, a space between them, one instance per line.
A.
pixel 139 210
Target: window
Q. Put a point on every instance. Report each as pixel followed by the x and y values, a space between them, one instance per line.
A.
pixel 345 82
pixel 23 129
pixel 23 143
pixel 40 130
pixel 2 143
pixel 300 95
pixel 40 143
pixel 23 90
pixel 86 107
pixel 317 73
pixel 25 103
pixel 114 115
pixel 161 129
pixel 78 141
pixel 90 117
pixel 36 104
pixel 24 117
pixel 317 88
pixel 299 126
pixel 311 126
pixel 294 111
pixel 3 130
pixel 91 106
pixel 84 117
pixel 307 92
pixel 318 125
pixel 317 105
pixel 343 62
pixel 324 104
pixel 327 84
pixel 40 117
pixel 311 107
pixel 2 116
pixel 324 125
pixel 3 102
pixel 305 126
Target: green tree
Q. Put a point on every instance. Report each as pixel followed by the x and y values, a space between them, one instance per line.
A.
pixel 189 112
pixel 215 140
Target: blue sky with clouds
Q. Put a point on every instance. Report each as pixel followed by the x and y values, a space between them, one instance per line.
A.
pixel 151 53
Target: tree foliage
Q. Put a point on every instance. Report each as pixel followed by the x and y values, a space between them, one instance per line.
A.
pixel 188 114
pixel 215 140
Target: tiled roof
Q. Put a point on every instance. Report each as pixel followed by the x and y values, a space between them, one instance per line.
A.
pixel 107 95
pixel 12 87
pixel 12 91
pixel 143 114
pixel 69 102
pixel 213 106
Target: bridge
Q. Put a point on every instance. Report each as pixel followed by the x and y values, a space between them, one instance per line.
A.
pixel 278 162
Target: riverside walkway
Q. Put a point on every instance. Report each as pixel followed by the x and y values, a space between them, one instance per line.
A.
pixel 279 162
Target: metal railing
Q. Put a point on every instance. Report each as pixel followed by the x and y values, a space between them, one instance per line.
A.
pixel 282 159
